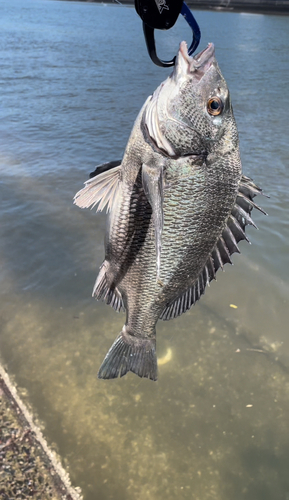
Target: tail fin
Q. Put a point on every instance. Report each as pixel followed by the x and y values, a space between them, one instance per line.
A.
pixel 130 353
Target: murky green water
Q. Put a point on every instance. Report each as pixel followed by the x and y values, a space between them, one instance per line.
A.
pixel 215 425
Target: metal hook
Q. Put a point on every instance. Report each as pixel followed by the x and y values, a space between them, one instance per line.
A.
pixel 150 39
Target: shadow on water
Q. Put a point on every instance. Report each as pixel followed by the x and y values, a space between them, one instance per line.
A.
pixel 266 475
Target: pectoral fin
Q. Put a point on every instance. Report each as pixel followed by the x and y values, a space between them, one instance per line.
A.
pixel 152 179
pixel 101 190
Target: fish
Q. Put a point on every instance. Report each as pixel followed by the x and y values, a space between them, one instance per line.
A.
pixel 177 205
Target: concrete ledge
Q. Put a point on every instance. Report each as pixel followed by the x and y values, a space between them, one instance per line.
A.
pixel 28 468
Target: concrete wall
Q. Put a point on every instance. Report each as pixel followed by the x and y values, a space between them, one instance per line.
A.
pixel 264 6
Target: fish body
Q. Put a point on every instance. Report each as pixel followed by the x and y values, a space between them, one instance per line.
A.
pixel 178 205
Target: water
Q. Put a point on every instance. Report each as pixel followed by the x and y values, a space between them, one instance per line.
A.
pixel 215 425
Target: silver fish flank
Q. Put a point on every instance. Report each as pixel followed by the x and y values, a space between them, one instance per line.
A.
pixel 178 205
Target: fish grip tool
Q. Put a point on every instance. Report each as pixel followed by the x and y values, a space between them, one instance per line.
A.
pixel 162 15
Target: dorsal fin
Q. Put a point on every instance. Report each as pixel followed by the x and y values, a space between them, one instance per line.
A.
pixel 101 190
pixel 226 245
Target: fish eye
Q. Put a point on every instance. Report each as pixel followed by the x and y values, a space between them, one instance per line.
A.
pixel 215 106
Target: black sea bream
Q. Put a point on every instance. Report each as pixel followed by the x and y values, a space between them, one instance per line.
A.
pixel 178 205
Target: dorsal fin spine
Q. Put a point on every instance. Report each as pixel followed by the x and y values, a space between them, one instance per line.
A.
pixel 251 202
pixel 244 215
pixel 239 228
pixel 218 258
pixel 230 240
pixel 212 266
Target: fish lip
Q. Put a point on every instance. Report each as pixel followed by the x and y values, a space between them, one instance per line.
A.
pixel 198 65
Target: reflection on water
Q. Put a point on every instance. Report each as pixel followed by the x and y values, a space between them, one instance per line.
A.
pixel 215 424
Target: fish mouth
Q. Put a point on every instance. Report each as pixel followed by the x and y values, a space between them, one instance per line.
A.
pixel 197 65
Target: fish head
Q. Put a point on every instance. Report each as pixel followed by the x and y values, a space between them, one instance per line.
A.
pixel 191 111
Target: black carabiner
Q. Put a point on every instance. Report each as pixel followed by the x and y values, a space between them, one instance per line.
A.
pixel 159 14
pixel 150 39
